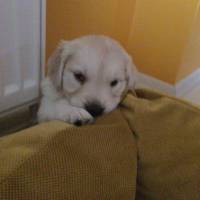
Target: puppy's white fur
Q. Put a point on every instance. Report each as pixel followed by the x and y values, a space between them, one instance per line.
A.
pixel 101 61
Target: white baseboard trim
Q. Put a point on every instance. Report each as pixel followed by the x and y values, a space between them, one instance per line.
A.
pixel 150 82
pixel 191 82
pixel 181 89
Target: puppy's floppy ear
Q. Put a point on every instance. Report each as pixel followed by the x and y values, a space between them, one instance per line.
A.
pixel 56 63
pixel 131 74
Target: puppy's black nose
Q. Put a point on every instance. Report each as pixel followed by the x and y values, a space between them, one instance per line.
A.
pixel 94 108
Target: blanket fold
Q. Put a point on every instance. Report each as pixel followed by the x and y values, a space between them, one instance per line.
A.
pixel 148 149
pixel 58 161
pixel 167 132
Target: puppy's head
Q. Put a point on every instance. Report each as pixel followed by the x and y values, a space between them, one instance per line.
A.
pixel 92 72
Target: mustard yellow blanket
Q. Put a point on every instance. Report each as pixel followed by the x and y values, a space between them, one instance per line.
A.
pixel 147 149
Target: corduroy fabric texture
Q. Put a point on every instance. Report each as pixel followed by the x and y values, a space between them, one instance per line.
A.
pixel 167 133
pixel 58 161
pixel 153 139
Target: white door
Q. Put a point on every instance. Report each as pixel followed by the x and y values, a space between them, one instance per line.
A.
pixel 20 52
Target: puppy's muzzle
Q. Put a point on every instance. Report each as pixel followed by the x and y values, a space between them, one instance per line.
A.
pixel 94 108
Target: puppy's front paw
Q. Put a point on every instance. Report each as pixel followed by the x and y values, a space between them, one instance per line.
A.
pixel 77 116
pixel 80 117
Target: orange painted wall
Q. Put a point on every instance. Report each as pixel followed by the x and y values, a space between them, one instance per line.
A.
pixel 161 35
pixel 191 56
pixel 67 19
pixel 160 32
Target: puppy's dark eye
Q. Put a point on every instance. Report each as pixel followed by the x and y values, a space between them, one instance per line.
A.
pixel 80 77
pixel 114 83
